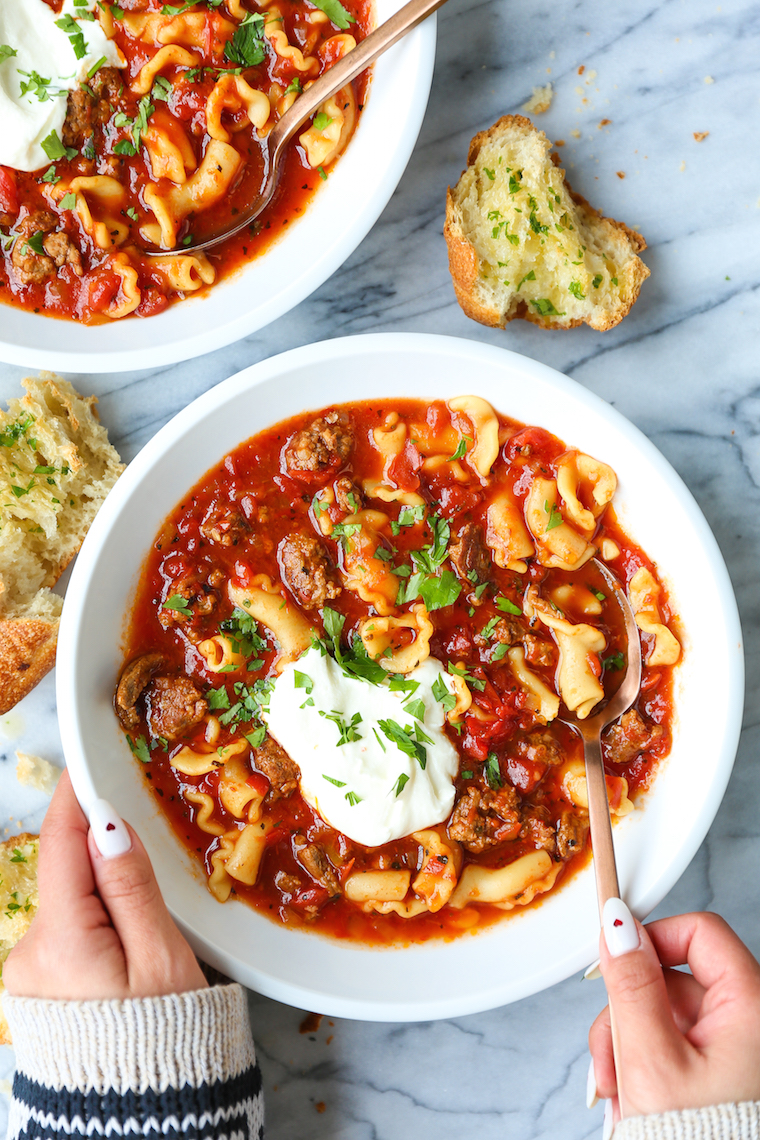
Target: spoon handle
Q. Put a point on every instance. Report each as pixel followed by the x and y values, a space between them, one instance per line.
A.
pixel 347 68
pixel 607 886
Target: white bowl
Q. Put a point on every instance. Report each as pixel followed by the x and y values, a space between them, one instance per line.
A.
pixel 340 215
pixel 528 951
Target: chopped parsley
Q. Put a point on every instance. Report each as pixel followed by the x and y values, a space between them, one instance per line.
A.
pixel 514 182
pixel 6 52
pixel 442 694
pixel 347 731
pixel 613 662
pixel 321 173
pixel 545 307
pixel 506 606
pixel 528 277
pixel 247 46
pixel 408 516
pixel 34 243
pixel 555 516
pixel 400 784
pixel 161 90
pixel 466 774
pixel 18 856
pixel 399 684
pixel 218 698
pixel 321 121
pixel 303 681
pixel 139 748
pixel 352 798
pixel 500 651
pixel 415 708
pixel 319 506
pixel 489 627
pixel 597 281
pixel 137 127
pixel 410 740
pixel 96 68
pixel 54 148
pixel 295 85
pixel 178 603
pixel 473 682
pixel 492 771
pixel 76 36
pixel 489 173
pixel 68 201
pixel 335 11
pixel 244 637
pixel 461 450
pixel 331 780
pixel 343 531
pixel 575 288
pixel 256 738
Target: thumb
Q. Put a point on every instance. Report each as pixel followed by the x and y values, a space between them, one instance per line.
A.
pixel 633 975
pixel 157 957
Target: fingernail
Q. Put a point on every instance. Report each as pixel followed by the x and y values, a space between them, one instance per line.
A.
pixel 620 931
pixel 108 830
pixel 593 972
pixel 609 1124
pixel 592 1097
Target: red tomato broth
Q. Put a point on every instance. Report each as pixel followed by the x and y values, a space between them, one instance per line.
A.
pixel 85 298
pixel 254 476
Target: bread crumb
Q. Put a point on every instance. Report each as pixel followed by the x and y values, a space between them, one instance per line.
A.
pixel 709 79
pixel 575 133
pixel 578 90
pixel 581 69
pixel 540 100
pixel 591 77
pixel 682 167
pixel 604 123
pixel 320 1106
pixel 620 173
pixel 559 142
pixel 34 772
pixel 700 136
pixel 311 1023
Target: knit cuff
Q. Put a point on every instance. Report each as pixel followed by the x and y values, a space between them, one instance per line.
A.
pixel 717 1122
pixel 157 1043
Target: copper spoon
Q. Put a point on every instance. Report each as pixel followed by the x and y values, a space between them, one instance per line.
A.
pixel 590 730
pixel 346 69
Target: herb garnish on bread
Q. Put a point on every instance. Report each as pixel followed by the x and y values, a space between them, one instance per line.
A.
pixel 522 244
pixel 56 468
pixel 18 900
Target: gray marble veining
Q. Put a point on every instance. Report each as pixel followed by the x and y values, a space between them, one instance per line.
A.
pixel 684 366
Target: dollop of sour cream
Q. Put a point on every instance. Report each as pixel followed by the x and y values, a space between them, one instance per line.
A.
pixel 340 731
pixel 44 56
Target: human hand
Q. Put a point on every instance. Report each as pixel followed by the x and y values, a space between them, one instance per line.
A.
pixel 102 929
pixel 684 1040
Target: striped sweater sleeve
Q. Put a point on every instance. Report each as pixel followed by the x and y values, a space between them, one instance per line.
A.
pixel 716 1122
pixel 179 1067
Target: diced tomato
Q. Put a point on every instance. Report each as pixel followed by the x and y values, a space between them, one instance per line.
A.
pixel 278 832
pixel 102 287
pixel 532 441
pixel 524 774
pixel 403 470
pixel 153 301
pixel 480 736
pixel 594 664
pixel 259 783
pixel 8 191
pixel 310 900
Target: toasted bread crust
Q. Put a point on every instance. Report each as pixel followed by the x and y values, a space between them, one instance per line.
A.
pixel 6 851
pixel 27 653
pixel 464 263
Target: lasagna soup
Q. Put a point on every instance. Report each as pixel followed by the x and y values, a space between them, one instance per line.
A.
pixel 141 126
pixel 349 653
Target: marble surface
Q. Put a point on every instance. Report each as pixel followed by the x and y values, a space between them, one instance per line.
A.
pixel 684 366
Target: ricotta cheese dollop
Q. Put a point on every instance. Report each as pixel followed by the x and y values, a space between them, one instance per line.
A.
pixel 46 62
pixel 344 734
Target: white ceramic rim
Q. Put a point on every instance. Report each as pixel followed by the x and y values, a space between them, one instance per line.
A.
pixel 345 963
pixel 343 211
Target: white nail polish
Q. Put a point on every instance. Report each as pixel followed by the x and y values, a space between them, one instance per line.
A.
pixel 593 973
pixel 620 931
pixel 108 830
pixel 609 1124
pixel 592 1097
